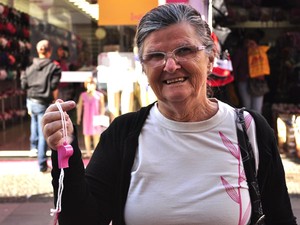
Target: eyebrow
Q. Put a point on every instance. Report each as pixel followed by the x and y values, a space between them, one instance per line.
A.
pixel 179 46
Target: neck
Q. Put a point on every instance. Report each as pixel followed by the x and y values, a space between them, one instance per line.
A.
pixel 200 111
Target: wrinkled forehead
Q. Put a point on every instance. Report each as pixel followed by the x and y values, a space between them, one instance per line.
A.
pixel 174 35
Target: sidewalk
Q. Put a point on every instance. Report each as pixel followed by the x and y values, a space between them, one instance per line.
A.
pixel 26 213
pixel 26 194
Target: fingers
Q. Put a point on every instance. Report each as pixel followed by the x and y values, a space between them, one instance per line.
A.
pixel 53 136
pixel 52 124
pixel 66 106
pixel 53 133
pixel 52 113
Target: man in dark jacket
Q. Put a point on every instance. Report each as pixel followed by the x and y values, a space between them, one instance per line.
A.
pixel 40 80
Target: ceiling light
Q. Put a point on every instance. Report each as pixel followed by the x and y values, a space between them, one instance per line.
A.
pixel 90 9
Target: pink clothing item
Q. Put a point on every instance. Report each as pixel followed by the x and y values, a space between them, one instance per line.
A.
pixel 91 108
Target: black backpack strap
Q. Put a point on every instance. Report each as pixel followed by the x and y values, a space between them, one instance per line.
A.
pixel 257 216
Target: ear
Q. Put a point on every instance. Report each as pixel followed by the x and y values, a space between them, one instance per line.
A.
pixel 209 67
pixel 211 63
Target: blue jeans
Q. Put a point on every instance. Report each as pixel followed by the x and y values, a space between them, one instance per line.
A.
pixel 37 139
pixel 248 100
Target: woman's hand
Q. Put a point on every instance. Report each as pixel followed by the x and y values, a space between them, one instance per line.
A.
pixel 52 124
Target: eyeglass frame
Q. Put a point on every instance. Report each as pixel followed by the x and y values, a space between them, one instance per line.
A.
pixel 172 54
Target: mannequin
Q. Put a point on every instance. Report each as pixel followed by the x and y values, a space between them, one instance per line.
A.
pixel 92 104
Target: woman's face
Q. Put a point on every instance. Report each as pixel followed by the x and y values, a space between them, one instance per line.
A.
pixel 176 82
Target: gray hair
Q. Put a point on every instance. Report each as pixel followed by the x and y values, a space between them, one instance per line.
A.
pixel 169 14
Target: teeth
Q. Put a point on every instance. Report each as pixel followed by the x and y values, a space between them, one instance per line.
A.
pixel 175 80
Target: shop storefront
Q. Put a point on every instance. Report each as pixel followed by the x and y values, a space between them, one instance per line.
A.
pixel 22 25
pixel 277 25
pixel 103 37
pixel 86 33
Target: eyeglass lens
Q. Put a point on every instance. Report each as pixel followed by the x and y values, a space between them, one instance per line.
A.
pixel 179 54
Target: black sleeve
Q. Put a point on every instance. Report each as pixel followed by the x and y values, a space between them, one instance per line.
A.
pixel 88 194
pixel 96 195
pixel 271 177
pixel 78 203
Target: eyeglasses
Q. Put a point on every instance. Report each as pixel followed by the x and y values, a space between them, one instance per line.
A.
pixel 181 54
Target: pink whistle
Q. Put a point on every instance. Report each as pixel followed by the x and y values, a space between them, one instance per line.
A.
pixel 64 153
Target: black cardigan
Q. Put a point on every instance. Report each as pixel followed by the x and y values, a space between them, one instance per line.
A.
pixel 98 194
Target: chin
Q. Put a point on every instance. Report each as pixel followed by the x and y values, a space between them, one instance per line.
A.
pixel 177 97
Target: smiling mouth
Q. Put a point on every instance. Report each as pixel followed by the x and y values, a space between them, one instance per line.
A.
pixel 176 80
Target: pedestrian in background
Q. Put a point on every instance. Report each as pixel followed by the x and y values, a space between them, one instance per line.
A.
pixel 178 160
pixel 40 80
pixel 250 98
pixel 90 107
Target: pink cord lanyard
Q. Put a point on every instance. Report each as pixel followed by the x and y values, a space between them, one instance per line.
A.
pixel 64 152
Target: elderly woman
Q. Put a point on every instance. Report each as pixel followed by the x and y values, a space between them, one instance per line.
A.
pixel 174 161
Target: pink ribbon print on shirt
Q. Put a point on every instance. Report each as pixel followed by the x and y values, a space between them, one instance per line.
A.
pixel 235 193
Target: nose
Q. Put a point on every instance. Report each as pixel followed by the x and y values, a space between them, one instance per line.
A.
pixel 170 55
pixel 171 64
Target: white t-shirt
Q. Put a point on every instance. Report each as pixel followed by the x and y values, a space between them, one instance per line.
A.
pixel 189 173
